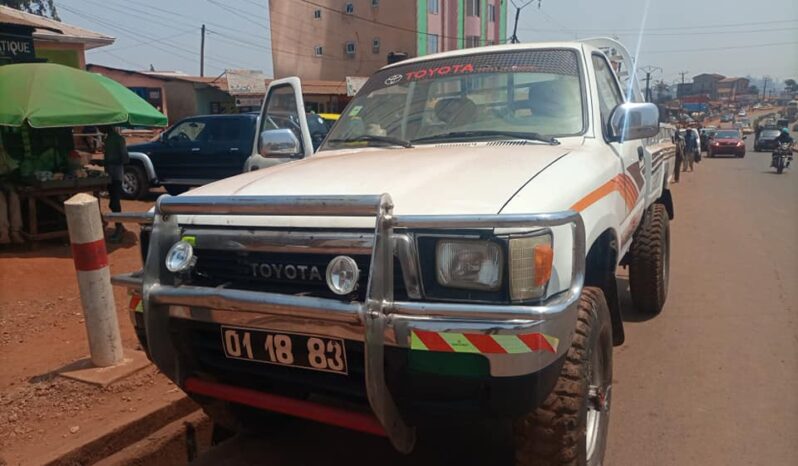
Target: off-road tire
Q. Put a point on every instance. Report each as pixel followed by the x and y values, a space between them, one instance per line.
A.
pixel 175 189
pixel 135 184
pixel 555 432
pixel 649 263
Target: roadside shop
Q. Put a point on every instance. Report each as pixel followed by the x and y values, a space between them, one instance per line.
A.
pixel 44 105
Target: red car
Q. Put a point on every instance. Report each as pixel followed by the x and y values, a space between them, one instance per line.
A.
pixel 727 141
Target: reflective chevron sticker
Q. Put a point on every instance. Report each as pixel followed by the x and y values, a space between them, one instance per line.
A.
pixel 135 303
pixel 449 342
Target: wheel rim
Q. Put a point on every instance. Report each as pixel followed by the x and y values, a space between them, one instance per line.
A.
pixel 130 183
pixel 598 406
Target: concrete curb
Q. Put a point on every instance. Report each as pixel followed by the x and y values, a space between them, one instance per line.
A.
pixel 178 442
pixel 109 442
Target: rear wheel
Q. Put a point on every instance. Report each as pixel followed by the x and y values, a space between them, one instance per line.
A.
pixel 570 427
pixel 650 263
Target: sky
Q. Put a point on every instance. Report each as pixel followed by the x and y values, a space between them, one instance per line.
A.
pixel 730 37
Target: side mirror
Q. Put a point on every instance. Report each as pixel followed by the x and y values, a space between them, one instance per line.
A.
pixel 745 137
pixel 278 143
pixel 630 121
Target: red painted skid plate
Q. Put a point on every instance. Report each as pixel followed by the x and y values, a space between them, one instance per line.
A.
pixel 298 408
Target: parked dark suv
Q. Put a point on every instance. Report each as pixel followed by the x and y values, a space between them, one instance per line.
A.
pixel 193 152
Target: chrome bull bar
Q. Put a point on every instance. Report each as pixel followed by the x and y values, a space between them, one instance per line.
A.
pixel 159 290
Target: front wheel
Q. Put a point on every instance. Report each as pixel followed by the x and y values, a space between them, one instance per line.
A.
pixel 570 427
pixel 134 182
pixel 650 263
pixel 779 165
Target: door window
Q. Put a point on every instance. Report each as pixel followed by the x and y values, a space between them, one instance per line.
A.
pixel 186 132
pixel 609 94
pixel 281 111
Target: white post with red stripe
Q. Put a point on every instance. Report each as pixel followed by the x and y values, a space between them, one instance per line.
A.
pixel 94 279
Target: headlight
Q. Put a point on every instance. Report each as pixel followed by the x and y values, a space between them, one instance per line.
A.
pixel 180 257
pixel 531 261
pixel 469 264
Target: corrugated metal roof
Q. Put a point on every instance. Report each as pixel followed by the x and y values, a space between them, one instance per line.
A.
pixel 52 30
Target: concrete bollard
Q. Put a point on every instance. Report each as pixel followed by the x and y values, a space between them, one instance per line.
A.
pixel 94 279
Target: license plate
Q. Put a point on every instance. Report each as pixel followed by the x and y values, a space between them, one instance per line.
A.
pixel 285 349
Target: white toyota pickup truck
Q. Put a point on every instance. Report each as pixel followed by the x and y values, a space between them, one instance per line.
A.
pixel 448 254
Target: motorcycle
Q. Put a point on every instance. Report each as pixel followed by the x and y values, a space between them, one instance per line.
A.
pixel 781 157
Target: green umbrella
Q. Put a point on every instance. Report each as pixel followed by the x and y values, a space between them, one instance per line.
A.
pixel 46 95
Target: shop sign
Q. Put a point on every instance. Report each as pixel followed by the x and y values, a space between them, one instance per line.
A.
pixel 16 47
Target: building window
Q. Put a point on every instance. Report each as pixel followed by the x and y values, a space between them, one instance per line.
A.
pixel 472 41
pixel 318 50
pixel 472 7
pixel 349 48
pixel 492 13
pixel 433 6
pixel 349 8
pixel 432 43
pixel 375 45
pixel 317 14
pixel 375 3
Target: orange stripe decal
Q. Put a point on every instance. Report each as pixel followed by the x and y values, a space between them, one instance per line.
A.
pixel 595 195
pixel 621 183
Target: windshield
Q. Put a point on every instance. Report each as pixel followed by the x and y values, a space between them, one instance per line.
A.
pixel 727 135
pixel 770 134
pixel 479 96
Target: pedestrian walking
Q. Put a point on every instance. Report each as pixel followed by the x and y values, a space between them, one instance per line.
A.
pixel 689 149
pixel 115 157
pixel 679 144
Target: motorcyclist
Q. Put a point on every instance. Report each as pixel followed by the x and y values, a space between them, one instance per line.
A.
pixel 784 137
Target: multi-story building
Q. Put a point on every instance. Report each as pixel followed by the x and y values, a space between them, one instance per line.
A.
pixel 730 89
pixel 333 39
pixel 707 84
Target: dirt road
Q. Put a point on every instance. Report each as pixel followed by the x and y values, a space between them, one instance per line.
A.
pixel 710 381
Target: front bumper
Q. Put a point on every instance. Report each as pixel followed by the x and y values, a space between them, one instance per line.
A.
pixel 727 150
pixel 380 324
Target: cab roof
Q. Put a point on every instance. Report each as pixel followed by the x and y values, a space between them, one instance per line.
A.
pixel 488 49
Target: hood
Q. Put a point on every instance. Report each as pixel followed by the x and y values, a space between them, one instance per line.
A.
pixel 143 147
pixel 470 178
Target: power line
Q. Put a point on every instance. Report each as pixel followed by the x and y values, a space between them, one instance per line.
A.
pixel 135 34
pixel 672 28
pixel 712 49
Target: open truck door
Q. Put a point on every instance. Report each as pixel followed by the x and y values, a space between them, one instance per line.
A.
pixel 283 132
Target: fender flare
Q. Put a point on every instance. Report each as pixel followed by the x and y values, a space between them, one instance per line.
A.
pixel 145 161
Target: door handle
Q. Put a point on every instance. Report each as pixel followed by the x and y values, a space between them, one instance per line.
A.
pixel 234 149
pixel 640 153
pixel 195 149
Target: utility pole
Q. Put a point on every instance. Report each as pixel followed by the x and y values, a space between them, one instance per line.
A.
pixel 202 52
pixel 514 38
pixel 765 88
pixel 648 70
pixel 682 73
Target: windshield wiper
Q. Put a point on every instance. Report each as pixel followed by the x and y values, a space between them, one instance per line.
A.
pixel 490 133
pixel 375 138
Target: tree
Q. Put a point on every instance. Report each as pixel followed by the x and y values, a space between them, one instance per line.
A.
pixel 791 85
pixel 44 8
pixel 752 89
